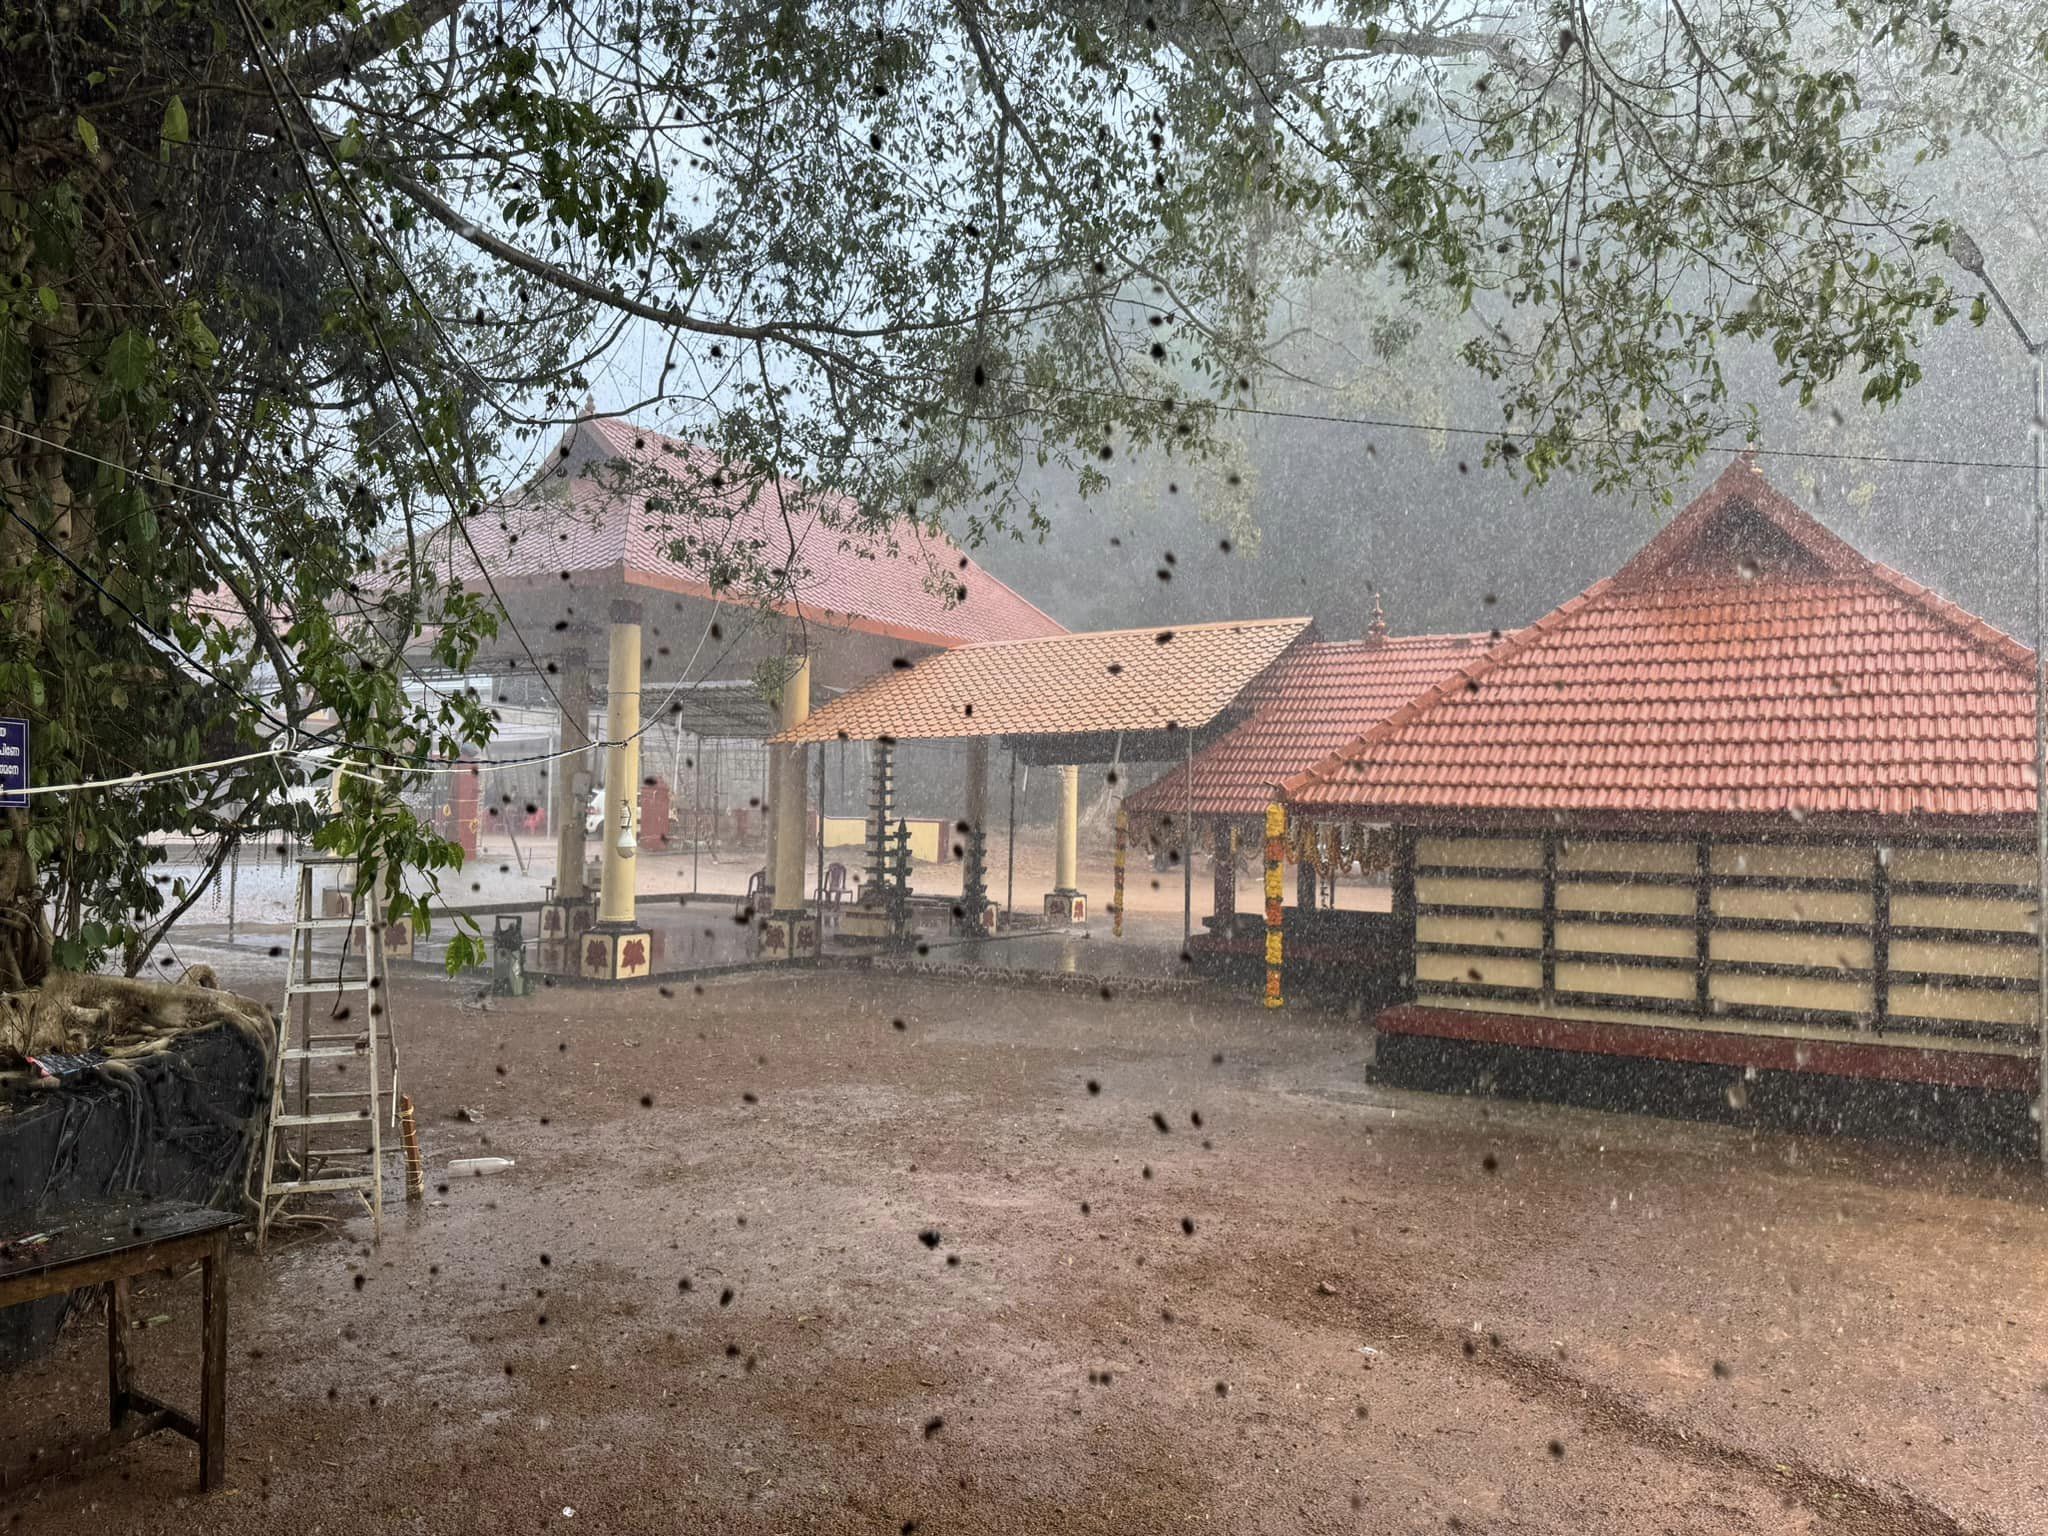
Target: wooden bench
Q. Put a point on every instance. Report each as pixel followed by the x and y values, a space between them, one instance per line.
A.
pixel 106 1244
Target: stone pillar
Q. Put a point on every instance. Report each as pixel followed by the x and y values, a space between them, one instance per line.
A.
pixel 1225 855
pixel 564 918
pixel 617 947
pixel 976 915
pixel 1065 904
pixel 1305 881
pixel 790 931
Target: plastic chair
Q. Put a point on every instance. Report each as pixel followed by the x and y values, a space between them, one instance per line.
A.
pixel 837 888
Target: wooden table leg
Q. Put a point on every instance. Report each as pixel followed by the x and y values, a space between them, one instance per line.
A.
pixel 213 1389
pixel 119 1381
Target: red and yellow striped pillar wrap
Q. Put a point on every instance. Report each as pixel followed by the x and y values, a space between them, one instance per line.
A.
pixel 1116 900
pixel 1276 890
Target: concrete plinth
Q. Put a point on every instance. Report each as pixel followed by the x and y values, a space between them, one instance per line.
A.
pixel 983 919
pixel 562 923
pixel 615 953
pixel 862 924
pixel 1066 908
pixel 788 936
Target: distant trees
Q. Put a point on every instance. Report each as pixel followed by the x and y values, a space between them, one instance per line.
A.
pixel 281 280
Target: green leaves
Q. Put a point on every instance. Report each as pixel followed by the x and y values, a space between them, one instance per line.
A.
pixel 176 129
pixel 129 361
pixel 201 344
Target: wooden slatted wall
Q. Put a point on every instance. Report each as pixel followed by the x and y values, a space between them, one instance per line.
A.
pixel 1808 938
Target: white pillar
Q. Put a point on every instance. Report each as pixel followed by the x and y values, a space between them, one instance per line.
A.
pixel 571 775
pixel 618 893
pixel 789 772
pixel 1067 858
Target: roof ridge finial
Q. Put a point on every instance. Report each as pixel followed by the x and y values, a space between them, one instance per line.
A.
pixel 1376 631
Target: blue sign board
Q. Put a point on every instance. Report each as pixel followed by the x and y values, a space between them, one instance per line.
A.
pixel 14 764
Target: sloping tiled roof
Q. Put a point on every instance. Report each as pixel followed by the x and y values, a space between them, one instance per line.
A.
pixel 1312 701
pixel 1127 680
pixel 1746 662
pixel 606 505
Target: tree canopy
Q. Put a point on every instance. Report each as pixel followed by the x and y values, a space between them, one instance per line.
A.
pixel 285 282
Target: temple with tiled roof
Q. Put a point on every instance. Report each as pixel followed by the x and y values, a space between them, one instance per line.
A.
pixel 619 502
pixel 1755 802
pixel 638 575
pixel 1317 697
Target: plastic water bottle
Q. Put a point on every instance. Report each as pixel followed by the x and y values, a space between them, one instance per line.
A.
pixel 478 1166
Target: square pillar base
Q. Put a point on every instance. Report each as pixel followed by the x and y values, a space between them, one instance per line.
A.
pixel 1067 909
pixel 787 936
pixel 398 938
pixel 860 924
pixel 984 921
pixel 615 954
pixel 562 923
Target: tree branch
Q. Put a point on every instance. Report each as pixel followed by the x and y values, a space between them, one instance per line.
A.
pixel 372 40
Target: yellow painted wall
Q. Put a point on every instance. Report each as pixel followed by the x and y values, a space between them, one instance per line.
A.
pixel 1624 980
pixel 1456 891
pixel 1843 951
pixel 1761 860
pixel 846 832
pixel 1486 852
pixel 1480 969
pixel 1792 906
pixel 1950 958
pixel 1623 896
pixel 1847 996
pixel 1481 932
pixel 927 837
pixel 1575 854
pixel 1962 866
pixel 1911 909
pixel 1963 1003
pixel 1622 939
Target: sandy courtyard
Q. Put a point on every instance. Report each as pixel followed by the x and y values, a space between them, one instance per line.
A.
pixel 833 1253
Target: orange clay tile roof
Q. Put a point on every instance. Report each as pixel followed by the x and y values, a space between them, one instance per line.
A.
pixel 1746 662
pixel 1126 680
pixel 1312 701
pixel 594 511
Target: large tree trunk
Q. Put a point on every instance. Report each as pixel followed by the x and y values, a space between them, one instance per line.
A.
pixel 24 925
pixel 36 494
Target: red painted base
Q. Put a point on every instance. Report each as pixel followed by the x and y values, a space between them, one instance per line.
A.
pixel 1066 907
pixel 562 923
pixel 615 954
pixel 1779 1053
pixel 787 936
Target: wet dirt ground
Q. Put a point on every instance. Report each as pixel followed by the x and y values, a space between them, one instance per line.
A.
pixel 846 1254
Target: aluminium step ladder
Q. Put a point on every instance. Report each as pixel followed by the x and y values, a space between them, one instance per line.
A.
pixel 329 1093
